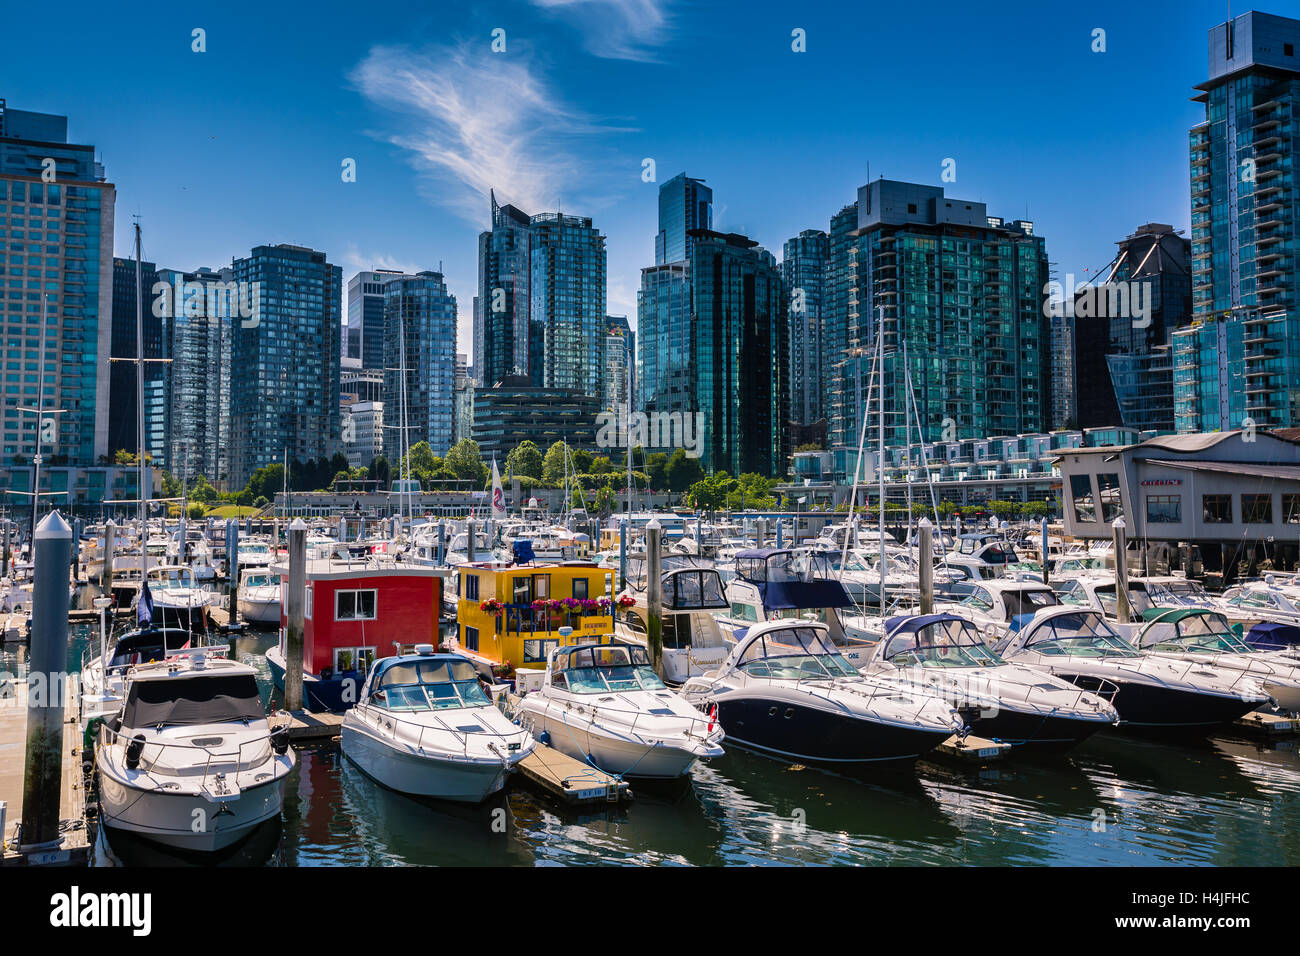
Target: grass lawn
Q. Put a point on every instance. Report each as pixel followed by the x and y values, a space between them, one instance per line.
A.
pixel 232 511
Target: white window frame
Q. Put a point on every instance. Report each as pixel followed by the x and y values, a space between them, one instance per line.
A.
pixel 355 592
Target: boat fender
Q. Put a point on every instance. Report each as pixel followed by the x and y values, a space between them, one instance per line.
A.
pixel 544 738
pixel 280 741
pixel 133 751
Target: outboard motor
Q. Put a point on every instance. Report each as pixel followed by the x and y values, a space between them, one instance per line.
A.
pixel 133 751
pixel 280 741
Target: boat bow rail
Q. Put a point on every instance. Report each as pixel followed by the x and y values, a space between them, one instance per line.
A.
pixel 216 781
pixel 415 742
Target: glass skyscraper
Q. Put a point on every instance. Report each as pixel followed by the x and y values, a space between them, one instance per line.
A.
pixel 365 329
pixel 122 420
pixel 664 339
pixel 1123 371
pixel 284 392
pixel 566 337
pixel 739 378
pixel 196 336
pixel 963 293
pixel 803 266
pixel 685 204
pixel 1239 362
pixel 420 337
pixel 57 239
pixel 503 307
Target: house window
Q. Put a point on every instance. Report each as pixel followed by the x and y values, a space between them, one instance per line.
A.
pixel 541 586
pixel 523 591
pixel 535 651
pixel 1216 509
pixel 471 638
pixel 471 586
pixel 1108 489
pixel 354 605
pixel 353 658
pixel 306 611
pixel 1165 509
pixel 580 588
pixel 1291 509
pixel 1085 510
pixel 1257 509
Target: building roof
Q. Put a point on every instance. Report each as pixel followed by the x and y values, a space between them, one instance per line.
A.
pixel 1243 468
pixel 1183 444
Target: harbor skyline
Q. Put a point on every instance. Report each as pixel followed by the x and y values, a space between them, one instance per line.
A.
pixel 417 106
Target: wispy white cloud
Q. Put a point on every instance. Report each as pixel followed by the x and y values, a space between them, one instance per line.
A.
pixel 616 29
pixel 477 121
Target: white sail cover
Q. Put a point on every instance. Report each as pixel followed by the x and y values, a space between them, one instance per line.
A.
pixel 498 496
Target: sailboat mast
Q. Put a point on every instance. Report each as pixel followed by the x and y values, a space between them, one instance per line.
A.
pixel 880 453
pixel 40 410
pixel 139 406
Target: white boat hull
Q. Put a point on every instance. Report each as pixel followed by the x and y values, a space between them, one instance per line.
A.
pixel 187 821
pixel 442 776
pixel 259 612
pixel 613 755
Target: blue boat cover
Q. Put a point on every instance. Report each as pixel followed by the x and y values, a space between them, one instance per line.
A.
pixel 785 595
pixel 523 551
pixel 1273 634
pixel 910 625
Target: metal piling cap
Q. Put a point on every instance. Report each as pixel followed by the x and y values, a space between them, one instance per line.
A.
pixel 53 526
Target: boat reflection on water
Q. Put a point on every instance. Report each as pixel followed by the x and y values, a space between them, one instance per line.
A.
pixel 261 847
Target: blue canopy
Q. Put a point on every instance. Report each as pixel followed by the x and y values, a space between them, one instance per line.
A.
pixel 1273 634
pixel 904 624
pixel 787 595
pixel 523 551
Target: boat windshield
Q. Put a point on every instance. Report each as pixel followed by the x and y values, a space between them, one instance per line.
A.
pixel 262 580
pixel 429 685
pixel 1252 599
pixel 1079 635
pixel 1200 634
pixel 794 653
pixel 171 577
pixel 948 643
pixel 604 668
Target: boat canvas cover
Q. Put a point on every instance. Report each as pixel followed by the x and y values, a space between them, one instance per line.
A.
pixel 688 590
pixel 1270 634
pixel 796 595
pixel 206 699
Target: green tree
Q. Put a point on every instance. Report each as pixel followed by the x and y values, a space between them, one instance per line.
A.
pixel 525 461
pixel 196 510
pixel 682 471
pixel 381 471
pixel 656 466
pixel 202 491
pixel 421 461
pixel 553 464
pixel 582 460
pixel 465 462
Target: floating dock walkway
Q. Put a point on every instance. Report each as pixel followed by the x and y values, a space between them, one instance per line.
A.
pixel 75 849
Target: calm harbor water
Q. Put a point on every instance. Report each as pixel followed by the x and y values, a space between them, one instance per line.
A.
pixel 1116 800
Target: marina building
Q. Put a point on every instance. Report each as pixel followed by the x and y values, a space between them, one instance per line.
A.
pixel 515 410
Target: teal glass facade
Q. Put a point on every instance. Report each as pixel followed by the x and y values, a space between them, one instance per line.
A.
pixel 56 238
pixel 420 336
pixel 803 267
pixel 567 325
pixel 1239 362
pixel 284 395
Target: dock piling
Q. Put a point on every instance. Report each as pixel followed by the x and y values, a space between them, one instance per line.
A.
pixel 654 595
pixel 232 569
pixel 1122 610
pixel 295 601
pixel 47 683
pixel 925 537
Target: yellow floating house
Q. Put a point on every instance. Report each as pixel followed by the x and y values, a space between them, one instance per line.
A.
pixel 509 615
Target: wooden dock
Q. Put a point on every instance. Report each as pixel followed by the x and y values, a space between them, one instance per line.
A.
pixel 304 725
pixel 571 780
pixel 972 749
pixel 72 807
pixel 1270 726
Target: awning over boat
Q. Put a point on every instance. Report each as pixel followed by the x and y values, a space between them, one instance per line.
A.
pixel 788 595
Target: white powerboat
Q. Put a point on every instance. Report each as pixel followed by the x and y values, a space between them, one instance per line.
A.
pixel 1206 637
pixel 259 595
pixel 603 704
pixel 424 726
pixel 786 691
pixel 692 592
pixel 1150 692
pixel 191 760
pixel 178 601
pixel 945 655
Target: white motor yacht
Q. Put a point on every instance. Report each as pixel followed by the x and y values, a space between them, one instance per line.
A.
pixel 1150 692
pixel 603 704
pixel 191 760
pixel 691 639
pixel 1027 708
pixel 259 595
pixel 786 691
pixel 424 726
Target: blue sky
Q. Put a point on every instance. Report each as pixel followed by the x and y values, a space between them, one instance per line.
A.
pixel 243 144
